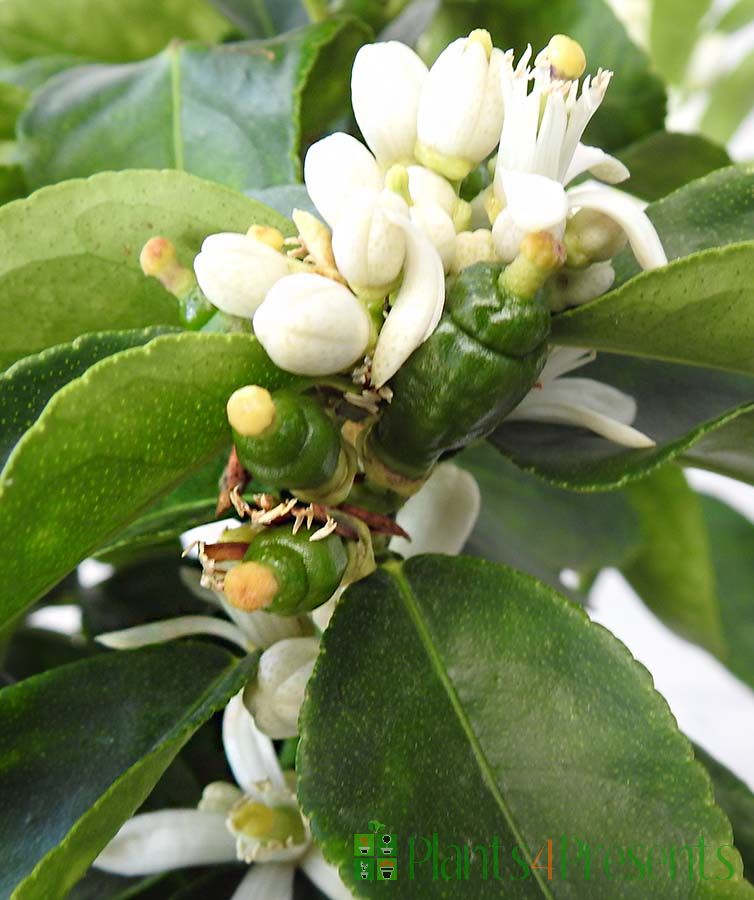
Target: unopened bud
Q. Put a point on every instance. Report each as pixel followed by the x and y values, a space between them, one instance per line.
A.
pixel 158 259
pixel 250 410
pixel 267 235
pixel 573 287
pixel 591 236
pixel 473 247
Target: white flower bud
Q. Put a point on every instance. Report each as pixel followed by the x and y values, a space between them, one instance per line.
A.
pixel 473 247
pixel 426 186
pixel 438 226
pixel 368 246
pixel 441 516
pixel 275 698
pixel 386 83
pixel 236 271
pixel 335 168
pixel 461 106
pixel 507 236
pixel 573 287
pixel 312 325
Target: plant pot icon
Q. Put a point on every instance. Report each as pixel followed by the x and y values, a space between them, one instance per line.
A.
pixel 387 869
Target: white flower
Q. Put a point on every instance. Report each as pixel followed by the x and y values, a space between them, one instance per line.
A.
pixel 235 271
pixel 441 516
pixel 312 325
pixel 540 152
pixel 417 307
pixel 583 402
pixel 574 287
pixel 461 106
pixel 386 82
pixel 369 247
pixel 437 225
pixel 276 695
pixel 259 821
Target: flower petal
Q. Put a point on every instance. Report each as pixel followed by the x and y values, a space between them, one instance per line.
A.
pixel 170 629
pixel 386 82
pixel 535 203
pixel 598 163
pixel 324 876
pixel 417 307
pixel 334 169
pixel 250 754
pixel 263 629
pixel 630 215
pixel 441 516
pixel 584 402
pixel 266 881
pixel 438 227
pixel 168 839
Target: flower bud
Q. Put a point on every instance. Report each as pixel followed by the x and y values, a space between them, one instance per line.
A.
pixel 441 516
pixel 473 247
pixel 461 107
pixel 159 260
pixel 275 697
pixel 236 271
pixel 311 325
pixel 386 83
pixel 368 245
pixel 591 236
pixel 573 287
pixel 507 237
pixel 438 227
pixel 287 573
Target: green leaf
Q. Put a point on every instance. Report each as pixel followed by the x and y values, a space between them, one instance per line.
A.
pixel 112 442
pixel 635 102
pixel 110 30
pixel 737 16
pixel 541 529
pixel 125 716
pixel 692 414
pixel 697 310
pixel 263 18
pixel 27 386
pixel 70 253
pixel 673 33
pixel 730 101
pixel 12 183
pixel 737 801
pixel 231 113
pixel 672 571
pixel 665 161
pixel 711 212
pixel 539 717
pixel 12 101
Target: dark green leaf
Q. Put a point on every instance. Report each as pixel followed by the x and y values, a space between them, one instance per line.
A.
pixel 73 772
pixel 70 253
pixel 680 407
pixel 12 183
pixel 730 100
pixel 542 728
pixel 27 386
pixel 112 442
pixel 263 18
pixel 666 161
pixel 673 33
pixel 231 113
pixel 12 101
pixel 111 30
pixel 697 310
pixel 635 102
pixel 541 529
pixel 34 650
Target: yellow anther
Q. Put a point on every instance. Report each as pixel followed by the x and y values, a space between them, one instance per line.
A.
pixel 267 235
pixel 482 36
pixel 250 410
pixel 567 57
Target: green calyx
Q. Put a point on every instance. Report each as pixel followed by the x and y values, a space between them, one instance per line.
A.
pixel 480 362
pixel 307 572
pixel 300 448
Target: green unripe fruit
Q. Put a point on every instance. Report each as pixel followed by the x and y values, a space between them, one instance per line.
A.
pixel 286 573
pixel 481 361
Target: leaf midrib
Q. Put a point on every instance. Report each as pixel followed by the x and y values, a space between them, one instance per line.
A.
pixel 409 601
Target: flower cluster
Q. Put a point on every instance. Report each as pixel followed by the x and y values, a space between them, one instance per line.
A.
pixel 371 281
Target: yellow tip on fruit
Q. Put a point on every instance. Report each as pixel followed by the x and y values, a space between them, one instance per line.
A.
pixel 267 235
pixel 250 586
pixel 483 37
pixel 250 410
pixel 567 57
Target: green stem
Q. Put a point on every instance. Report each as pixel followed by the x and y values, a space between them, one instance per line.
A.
pixel 316 10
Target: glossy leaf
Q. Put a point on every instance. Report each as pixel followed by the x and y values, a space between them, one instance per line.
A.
pixel 263 18
pixel 697 310
pixel 125 716
pixel 541 529
pixel 27 386
pixel 730 101
pixel 635 102
pixel 112 30
pixel 665 161
pixel 673 33
pixel 685 409
pixel 70 253
pixel 516 688
pixel 111 443
pixel 230 113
